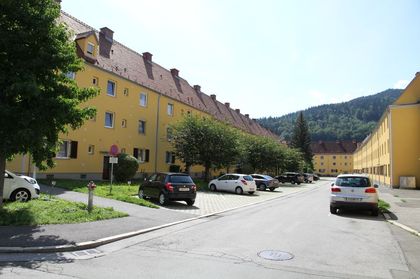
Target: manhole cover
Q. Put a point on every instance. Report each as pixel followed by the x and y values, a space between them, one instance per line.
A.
pixel 275 255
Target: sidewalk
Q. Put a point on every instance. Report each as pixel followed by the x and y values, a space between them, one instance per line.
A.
pixel 405 206
pixel 140 220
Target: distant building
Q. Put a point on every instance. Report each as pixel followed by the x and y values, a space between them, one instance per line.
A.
pixel 333 157
pixel 392 152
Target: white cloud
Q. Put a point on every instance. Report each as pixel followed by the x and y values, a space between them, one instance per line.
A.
pixel 401 84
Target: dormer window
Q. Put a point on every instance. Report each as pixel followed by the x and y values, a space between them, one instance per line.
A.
pixel 90 48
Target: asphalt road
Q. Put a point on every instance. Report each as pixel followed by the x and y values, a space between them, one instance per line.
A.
pixel 351 245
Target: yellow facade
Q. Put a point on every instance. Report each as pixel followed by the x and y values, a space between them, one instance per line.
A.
pixel 392 151
pixel 332 164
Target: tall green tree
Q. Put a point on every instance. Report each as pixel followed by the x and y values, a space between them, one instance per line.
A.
pixel 37 100
pixel 301 139
pixel 204 141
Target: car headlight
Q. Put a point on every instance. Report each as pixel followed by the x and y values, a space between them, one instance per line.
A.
pixel 30 180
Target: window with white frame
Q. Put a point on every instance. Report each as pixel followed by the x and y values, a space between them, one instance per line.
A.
pixel 142 127
pixel 144 155
pixel 169 157
pixel 110 89
pixel 90 48
pixel 64 151
pixel 91 149
pixel 109 120
pixel 124 123
pixel 170 109
pixel 126 92
pixel 143 100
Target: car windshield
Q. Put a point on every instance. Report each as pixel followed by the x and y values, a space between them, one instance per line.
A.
pixel 267 177
pixel 181 179
pixel 248 178
pixel 352 182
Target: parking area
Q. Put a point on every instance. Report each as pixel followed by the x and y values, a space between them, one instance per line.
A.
pixel 211 202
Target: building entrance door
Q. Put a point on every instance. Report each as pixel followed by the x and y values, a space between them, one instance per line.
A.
pixel 106 168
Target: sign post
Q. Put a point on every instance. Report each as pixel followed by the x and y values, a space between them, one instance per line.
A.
pixel 113 151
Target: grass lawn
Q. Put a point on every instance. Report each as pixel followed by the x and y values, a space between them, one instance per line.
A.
pixel 383 206
pixel 55 211
pixel 120 192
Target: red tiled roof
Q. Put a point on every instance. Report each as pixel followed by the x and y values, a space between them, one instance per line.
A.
pixel 133 66
pixel 334 147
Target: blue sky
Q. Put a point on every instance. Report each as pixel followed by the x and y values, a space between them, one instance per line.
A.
pixel 270 58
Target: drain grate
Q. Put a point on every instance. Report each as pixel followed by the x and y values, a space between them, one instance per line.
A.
pixel 275 255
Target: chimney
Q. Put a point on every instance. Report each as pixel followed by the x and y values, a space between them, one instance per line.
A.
pixel 227 105
pixel 247 116
pixel 147 56
pixel 197 88
pixel 175 72
pixel 238 110
pixel 213 97
pixel 108 33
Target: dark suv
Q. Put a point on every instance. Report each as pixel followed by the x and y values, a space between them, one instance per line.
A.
pixel 169 187
pixel 292 177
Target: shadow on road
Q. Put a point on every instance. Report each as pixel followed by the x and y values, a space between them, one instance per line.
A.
pixel 363 215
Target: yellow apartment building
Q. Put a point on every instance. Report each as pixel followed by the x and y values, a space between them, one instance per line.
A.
pixel 333 157
pixel 390 155
pixel 139 100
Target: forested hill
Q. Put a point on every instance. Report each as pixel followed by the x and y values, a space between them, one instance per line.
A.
pixel 354 119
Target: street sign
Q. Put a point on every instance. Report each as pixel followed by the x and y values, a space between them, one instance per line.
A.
pixel 113 150
pixel 113 160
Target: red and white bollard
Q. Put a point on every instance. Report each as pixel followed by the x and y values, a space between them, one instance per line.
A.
pixel 91 186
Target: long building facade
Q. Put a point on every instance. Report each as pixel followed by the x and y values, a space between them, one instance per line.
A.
pixel 333 157
pixel 139 100
pixel 390 155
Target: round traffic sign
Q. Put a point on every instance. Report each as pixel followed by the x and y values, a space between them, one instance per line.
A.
pixel 113 150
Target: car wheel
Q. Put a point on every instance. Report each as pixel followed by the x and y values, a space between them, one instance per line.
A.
pixel 239 190
pixel 213 188
pixel 141 194
pixel 333 210
pixel 298 183
pixel 293 182
pixel 251 193
pixel 190 202
pixel 375 212
pixel 21 195
pixel 162 199
pixel 272 189
pixel 262 187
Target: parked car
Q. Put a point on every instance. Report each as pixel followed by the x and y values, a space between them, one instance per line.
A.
pixel 264 182
pixel 233 182
pixel 20 187
pixel 353 191
pixel 291 177
pixel 316 177
pixel 308 177
pixel 169 187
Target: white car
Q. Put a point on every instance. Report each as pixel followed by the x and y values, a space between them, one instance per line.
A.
pixel 20 187
pixel 233 182
pixel 354 191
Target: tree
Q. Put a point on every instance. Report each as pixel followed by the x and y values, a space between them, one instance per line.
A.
pixel 204 141
pixel 126 168
pixel 37 100
pixel 301 139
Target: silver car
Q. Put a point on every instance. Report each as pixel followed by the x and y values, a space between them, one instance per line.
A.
pixel 234 182
pixel 20 187
pixel 354 191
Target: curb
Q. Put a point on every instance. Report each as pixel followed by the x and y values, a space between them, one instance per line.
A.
pixel 402 226
pixel 107 240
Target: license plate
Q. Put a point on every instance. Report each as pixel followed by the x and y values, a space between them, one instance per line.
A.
pixel 353 199
pixel 184 189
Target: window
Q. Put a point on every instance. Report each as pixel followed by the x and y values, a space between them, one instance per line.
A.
pixel 143 100
pixel 345 164
pixel 91 149
pixel 170 109
pixel 95 81
pixel 144 155
pixel 71 75
pixel 110 90
pixel 90 48
pixel 322 157
pixel 334 164
pixel 322 163
pixel 333 157
pixel 126 92
pixel 68 149
pixel 169 157
pixel 142 127
pixel 109 119
pixel 136 153
pixel 169 134
pixel 124 123
pixel 345 157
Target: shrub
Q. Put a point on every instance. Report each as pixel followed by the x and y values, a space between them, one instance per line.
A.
pixel 126 168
